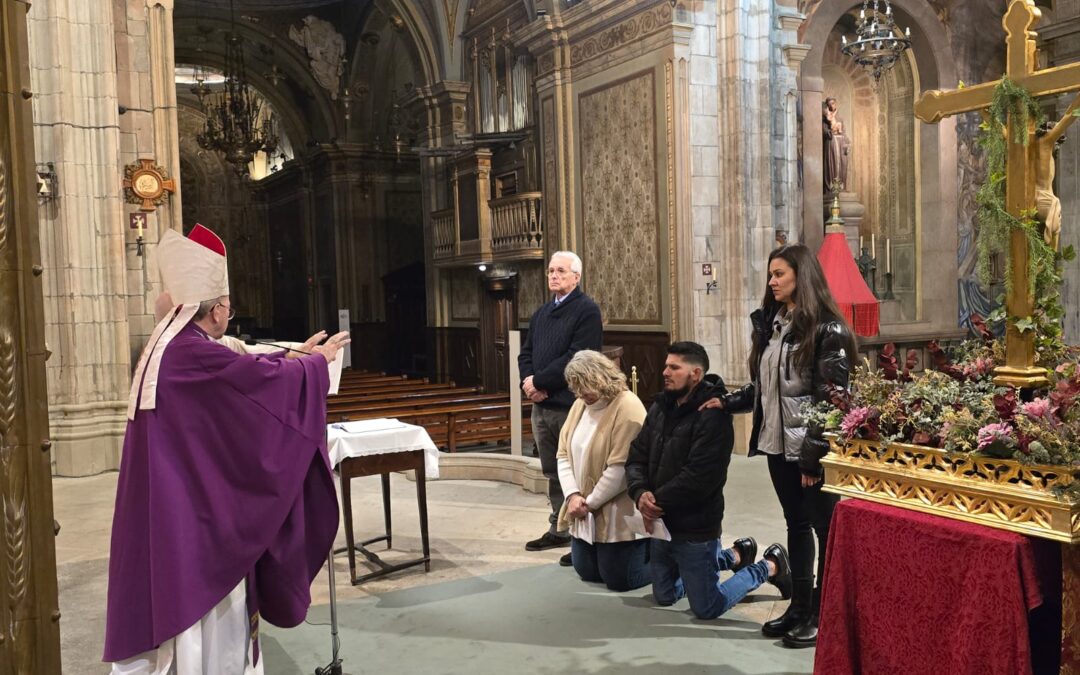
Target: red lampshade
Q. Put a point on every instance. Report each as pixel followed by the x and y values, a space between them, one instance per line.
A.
pixel 857 303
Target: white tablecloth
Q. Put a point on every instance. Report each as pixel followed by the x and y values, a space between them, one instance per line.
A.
pixel 378 437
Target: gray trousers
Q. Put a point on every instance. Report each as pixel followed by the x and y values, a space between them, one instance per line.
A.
pixel 546 425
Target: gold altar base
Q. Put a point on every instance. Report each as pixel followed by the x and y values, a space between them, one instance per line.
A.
pixel 998 493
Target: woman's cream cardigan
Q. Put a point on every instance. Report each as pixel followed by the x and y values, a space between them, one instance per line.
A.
pixel 610 445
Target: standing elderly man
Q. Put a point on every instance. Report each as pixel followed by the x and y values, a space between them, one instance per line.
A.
pixel 558 330
pixel 225 507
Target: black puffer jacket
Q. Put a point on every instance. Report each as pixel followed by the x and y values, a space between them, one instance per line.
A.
pixel 681 456
pixel 831 367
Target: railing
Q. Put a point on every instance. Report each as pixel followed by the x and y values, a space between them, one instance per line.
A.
pixel 516 223
pixel 445 237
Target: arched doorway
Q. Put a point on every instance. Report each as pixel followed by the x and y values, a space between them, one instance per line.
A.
pixel 897 200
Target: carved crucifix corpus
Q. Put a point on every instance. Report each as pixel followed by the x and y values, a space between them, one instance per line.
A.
pixel 1021 67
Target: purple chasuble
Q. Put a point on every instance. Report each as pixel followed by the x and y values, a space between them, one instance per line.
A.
pixel 229 475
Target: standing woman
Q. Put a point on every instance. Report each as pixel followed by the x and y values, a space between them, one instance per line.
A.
pixel 801 347
pixel 593 448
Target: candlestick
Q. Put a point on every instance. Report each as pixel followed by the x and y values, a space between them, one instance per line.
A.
pixel 888 295
pixel 888 255
pixel 873 246
pixel 714 273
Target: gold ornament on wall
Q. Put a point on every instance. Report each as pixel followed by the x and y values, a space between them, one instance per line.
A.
pixel 147 184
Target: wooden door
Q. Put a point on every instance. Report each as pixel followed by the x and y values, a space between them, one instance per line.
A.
pixel 29 613
pixel 498 316
pixel 289 272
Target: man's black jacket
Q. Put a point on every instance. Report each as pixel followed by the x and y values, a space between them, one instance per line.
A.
pixel 682 456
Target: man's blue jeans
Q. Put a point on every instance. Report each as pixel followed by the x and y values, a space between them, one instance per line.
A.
pixel 692 568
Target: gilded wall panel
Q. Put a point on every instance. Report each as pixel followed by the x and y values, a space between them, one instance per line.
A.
pixel 619 200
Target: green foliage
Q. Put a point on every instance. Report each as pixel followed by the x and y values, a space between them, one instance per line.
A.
pixel 1013 103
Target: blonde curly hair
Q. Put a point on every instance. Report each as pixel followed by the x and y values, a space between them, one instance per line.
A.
pixel 592 372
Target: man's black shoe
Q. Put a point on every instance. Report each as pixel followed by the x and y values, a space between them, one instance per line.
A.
pixel 566 561
pixel 803 635
pixel 547 541
pixel 782 579
pixel 747 549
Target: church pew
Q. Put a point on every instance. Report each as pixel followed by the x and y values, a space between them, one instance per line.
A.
pixel 350 375
pixel 455 425
pixel 389 409
pixel 411 395
pixel 392 385
pixel 376 381
pixel 404 388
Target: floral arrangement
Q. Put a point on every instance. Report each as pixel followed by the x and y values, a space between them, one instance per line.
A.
pixel 955 405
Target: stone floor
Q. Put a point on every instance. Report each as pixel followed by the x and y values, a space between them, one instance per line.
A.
pixel 477 533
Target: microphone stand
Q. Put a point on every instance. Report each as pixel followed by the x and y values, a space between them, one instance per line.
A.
pixel 334 667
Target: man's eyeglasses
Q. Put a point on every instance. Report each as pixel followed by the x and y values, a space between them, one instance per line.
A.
pixel 232 310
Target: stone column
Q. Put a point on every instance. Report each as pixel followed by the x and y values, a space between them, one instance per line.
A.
pixel 29 614
pixel 148 129
pixel 76 127
pixel 741 229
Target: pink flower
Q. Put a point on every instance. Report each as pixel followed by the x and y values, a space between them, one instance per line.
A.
pixel 998 434
pixel 1038 408
pixel 853 422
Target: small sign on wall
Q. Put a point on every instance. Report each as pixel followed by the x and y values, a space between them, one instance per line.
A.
pixel 137 221
pixel 708 270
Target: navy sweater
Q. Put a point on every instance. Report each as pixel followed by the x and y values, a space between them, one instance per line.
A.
pixel 555 335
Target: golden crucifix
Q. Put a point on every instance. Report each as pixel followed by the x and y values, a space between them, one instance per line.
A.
pixel 1021 66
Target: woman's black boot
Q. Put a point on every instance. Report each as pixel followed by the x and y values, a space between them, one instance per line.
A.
pixel 797 612
pixel 805 633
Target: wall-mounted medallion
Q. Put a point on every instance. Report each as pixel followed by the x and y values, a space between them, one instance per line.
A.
pixel 147 184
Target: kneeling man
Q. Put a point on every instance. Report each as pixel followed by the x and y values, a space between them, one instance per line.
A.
pixel 676 472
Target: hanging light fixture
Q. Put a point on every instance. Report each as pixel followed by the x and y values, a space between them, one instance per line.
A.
pixel 236 125
pixel 878 43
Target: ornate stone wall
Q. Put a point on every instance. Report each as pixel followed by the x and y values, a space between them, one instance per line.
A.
pixel 619 200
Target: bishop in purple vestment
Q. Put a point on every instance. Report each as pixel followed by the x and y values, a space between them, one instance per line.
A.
pixel 224 480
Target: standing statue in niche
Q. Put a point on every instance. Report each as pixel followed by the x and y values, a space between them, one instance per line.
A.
pixel 326 49
pixel 835 148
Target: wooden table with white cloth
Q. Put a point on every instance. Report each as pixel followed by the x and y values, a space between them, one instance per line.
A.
pixel 370 447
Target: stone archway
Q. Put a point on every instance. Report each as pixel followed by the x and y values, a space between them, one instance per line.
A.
pixel 930 67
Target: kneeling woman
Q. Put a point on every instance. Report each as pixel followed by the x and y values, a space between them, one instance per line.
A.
pixel 593 448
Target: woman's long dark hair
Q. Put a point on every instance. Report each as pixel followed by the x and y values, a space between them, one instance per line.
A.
pixel 814 305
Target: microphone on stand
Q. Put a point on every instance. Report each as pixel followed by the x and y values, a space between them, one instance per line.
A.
pixel 271 343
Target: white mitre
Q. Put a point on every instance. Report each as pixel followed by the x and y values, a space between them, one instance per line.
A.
pixel 193 269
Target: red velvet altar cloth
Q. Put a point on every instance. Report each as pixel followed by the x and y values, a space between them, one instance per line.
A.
pixel 846 284
pixel 906 592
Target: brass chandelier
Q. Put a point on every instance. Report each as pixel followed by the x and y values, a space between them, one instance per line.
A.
pixel 878 44
pixel 236 125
